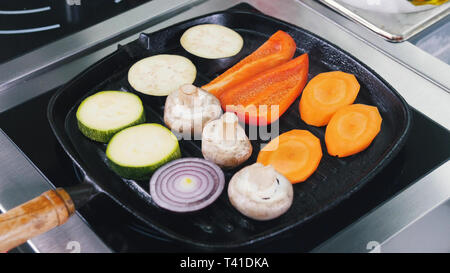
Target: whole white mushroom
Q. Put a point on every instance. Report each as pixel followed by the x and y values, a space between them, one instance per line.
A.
pixel 225 143
pixel 260 192
pixel 188 109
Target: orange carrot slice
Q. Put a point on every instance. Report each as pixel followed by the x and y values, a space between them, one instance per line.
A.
pixel 278 49
pixel 295 154
pixel 352 129
pixel 265 97
pixel 325 94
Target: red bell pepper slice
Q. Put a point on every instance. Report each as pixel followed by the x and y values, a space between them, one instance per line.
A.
pixel 265 97
pixel 278 49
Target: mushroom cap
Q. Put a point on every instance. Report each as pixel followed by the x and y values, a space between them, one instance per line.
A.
pixel 260 192
pixel 189 109
pixel 225 143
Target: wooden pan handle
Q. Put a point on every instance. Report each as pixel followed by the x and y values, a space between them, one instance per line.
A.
pixel 37 216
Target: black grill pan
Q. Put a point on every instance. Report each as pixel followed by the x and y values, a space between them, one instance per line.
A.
pixel 220 225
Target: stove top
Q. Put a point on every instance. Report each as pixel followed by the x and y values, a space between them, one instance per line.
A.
pixel 426 148
pixel 27 25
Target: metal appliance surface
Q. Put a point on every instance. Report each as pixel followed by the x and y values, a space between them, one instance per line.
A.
pixel 395 27
pixel 412 236
pixel 18 185
pixel 433 102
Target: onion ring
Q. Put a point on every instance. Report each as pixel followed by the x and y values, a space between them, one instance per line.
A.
pixel 187 184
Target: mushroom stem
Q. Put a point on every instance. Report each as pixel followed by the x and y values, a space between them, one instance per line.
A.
pixel 264 177
pixel 230 122
pixel 187 94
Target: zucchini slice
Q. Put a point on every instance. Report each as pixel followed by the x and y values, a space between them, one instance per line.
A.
pixel 136 152
pixel 105 113
pixel 159 75
pixel 211 41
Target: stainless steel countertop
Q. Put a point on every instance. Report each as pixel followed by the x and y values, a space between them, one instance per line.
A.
pixel 426 92
pixel 21 181
pixel 395 27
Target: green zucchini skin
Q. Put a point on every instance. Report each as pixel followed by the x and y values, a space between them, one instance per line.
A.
pixel 105 136
pixel 102 135
pixel 142 172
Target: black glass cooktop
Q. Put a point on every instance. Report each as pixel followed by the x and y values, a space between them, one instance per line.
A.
pixel 426 148
pixel 28 24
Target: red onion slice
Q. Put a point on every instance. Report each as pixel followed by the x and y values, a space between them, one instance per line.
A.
pixel 187 184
